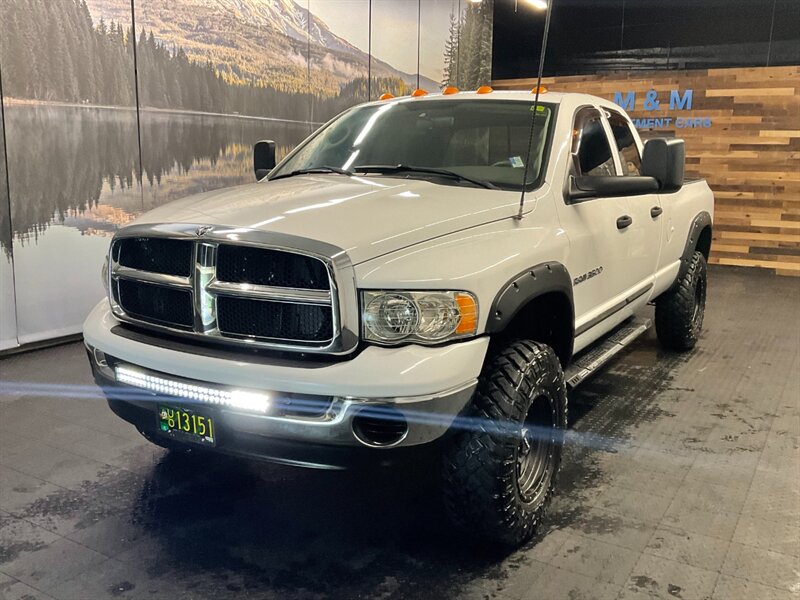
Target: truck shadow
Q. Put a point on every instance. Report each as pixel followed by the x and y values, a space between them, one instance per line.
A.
pixel 294 532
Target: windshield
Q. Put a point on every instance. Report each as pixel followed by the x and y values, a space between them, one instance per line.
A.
pixel 478 140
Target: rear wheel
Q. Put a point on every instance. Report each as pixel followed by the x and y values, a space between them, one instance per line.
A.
pixel 680 311
pixel 500 469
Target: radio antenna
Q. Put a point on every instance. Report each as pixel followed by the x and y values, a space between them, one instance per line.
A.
pixel 535 108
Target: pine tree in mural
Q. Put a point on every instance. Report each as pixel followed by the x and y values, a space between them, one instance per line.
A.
pixel 468 49
pixel 450 74
pixel 484 44
pixel 53 52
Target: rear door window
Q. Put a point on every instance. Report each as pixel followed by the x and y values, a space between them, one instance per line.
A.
pixel 625 140
pixel 591 151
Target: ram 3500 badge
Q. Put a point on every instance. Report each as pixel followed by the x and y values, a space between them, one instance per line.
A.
pixel 380 292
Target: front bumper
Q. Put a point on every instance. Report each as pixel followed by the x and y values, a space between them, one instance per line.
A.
pixel 425 388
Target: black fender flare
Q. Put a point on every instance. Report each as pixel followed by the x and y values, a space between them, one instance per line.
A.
pixel 526 286
pixel 700 222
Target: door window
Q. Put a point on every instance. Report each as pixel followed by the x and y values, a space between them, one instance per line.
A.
pixel 625 139
pixel 591 151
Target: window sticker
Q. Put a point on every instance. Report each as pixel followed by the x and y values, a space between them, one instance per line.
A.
pixel 516 162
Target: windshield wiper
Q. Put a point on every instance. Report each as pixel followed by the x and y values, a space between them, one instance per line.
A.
pixel 384 169
pixel 312 170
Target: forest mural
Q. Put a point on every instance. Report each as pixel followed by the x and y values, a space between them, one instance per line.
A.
pixel 113 107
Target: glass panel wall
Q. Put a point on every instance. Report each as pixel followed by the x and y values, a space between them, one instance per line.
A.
pixel 8 318
pixel 72 151
pixel 395 26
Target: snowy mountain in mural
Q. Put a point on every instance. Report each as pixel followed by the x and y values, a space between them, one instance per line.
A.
pixel 289 18
pixel 264 42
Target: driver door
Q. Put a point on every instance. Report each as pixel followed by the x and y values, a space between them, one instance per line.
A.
pixel 599 239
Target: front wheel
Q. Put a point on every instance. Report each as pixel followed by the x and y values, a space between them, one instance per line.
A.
pixel 680 312
pixel 500 469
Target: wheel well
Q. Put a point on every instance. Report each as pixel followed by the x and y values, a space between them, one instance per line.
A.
pixel 704 242
pixel 548 319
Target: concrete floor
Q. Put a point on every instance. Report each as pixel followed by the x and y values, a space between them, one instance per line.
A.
pixel 681 480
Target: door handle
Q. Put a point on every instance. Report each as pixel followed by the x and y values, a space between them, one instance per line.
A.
pixel 624 221
pixel 656 211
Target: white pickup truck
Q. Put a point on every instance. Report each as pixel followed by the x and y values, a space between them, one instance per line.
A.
pixel 384 291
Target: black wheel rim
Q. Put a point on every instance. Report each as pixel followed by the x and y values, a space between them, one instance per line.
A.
pixel 535 451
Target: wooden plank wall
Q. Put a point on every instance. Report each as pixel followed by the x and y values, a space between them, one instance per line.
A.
pixel 750 155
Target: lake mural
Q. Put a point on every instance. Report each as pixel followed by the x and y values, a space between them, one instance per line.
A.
pixel 89 146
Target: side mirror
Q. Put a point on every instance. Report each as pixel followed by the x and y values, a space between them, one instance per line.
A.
pixel 263 158
pixel 664 159
pixel 586 187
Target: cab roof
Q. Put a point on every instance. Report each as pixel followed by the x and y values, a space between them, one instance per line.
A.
pixel 516 95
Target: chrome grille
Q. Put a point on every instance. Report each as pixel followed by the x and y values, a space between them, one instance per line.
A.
pixel 263 266
pixel 262 318
pixel 202 285
pixel 157 255
pixel 156 303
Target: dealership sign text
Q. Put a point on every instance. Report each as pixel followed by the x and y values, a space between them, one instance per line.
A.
pixel 676 101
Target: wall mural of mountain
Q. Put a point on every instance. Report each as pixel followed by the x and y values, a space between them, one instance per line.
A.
pixel 261 42
pixel 86 155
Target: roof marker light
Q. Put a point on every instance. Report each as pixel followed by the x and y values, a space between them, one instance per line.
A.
pixel 484 89
pixel 449 90
pixel 386 96
pixel 539 90
pixel 418 92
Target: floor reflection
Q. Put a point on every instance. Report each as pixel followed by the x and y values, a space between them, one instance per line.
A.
pixel 290 529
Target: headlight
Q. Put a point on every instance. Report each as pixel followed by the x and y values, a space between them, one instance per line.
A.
pixel 424 317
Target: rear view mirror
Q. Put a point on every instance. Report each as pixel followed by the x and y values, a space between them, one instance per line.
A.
pixel 664 159
pixel 263 158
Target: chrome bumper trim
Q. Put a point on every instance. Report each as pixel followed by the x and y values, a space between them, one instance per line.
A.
pixel 429 416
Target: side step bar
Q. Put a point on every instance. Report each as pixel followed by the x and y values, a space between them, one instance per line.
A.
pixel 590 361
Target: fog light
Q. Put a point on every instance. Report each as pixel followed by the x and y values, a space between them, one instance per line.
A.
pixel 100 361
pixel 380 426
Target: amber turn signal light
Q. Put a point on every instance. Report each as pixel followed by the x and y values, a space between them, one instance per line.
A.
pixel 469 314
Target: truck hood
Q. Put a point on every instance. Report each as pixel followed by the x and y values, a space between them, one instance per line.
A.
pixel 366 216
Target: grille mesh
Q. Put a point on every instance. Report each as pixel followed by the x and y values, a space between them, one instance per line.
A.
pixel 167 302
pixel 156 303
pixel 157 255
pixel 261 266
pixel 278 320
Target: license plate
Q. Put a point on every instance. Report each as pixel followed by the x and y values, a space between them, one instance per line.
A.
pixel 186 425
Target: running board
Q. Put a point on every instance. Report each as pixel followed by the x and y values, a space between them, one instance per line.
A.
pixel 590 361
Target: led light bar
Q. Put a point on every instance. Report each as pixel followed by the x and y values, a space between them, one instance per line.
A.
pixel 239 399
